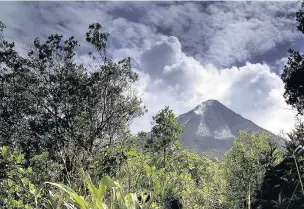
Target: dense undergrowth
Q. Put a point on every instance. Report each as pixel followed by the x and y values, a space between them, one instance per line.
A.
pixel 144 180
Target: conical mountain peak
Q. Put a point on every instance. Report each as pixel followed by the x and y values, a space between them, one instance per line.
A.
pixel 211 102
pixel 210 105
pixel 211 127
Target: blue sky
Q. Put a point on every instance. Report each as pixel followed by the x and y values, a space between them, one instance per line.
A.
pixel 184 52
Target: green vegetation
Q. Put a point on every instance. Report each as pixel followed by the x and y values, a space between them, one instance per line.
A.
pixel 97 195
pixel 65 140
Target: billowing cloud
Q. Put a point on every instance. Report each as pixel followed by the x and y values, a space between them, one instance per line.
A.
pixel 229 33
pixel 180 81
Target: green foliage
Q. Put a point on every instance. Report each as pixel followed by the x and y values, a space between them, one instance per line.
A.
pixel 291 76
pixel 294 72
pixel 296 137
pixel 98 197
pixel 208 183
pixel 50 103
pixel 109 163
pixel 197 181
pixel 16 189
pixel 245 166
pixel 45 169
pixel 166 132
pixel 62 115
pixel 166 129
pixel 283 183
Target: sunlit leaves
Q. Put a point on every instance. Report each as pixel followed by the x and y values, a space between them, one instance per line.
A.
pixel 245 163
pixel 16 190
pixel 96 199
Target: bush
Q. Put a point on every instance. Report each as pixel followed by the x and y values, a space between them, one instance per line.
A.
pixel 16 189
pixel 98 197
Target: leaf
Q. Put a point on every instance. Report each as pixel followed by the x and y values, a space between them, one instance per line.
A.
pixel 80 201
pixel 102 188
pixel 132 153
pixel 106 180
pixel 91 187
pixel 100 205
pixel 131 201
pixel 25 181
pixel 20 158
pixel 4 150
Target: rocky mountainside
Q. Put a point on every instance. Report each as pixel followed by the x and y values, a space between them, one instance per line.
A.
pixel 211 127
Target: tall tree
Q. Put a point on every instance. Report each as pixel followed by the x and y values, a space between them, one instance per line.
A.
pixel 50 102
pixel 245 166
pixel 166 131
pixel 282 185
pixel 293 73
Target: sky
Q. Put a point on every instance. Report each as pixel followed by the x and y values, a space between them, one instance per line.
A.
pixel 184 52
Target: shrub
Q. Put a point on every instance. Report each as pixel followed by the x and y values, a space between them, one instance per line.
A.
pixel 16 189
pixel 98 197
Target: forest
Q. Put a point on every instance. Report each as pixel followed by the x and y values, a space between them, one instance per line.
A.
pixel 65 141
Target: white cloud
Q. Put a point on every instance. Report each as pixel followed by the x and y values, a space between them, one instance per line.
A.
pixel 182 82
pixel 228 33
pixel 220 33
pixel 278 65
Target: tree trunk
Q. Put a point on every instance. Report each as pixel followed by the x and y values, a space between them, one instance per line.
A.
pixel 249 200
pixel 165 158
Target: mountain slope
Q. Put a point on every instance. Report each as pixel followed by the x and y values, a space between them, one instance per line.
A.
pixel 211 127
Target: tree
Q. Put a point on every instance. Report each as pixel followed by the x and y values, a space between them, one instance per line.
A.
pixel 282 185
pixel 166 131
pixel 245 166
pixel 292 78
pixel 50 103
pixel 293 73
